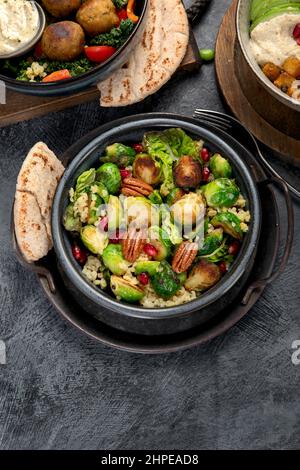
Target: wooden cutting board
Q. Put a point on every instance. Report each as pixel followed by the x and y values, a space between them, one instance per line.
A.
pixel 22 107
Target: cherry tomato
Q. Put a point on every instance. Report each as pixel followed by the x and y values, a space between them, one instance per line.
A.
pixel 122 15
pixel 56 76
pixel 99 53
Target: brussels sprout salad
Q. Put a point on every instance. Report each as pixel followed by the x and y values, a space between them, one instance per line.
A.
pixel 158 222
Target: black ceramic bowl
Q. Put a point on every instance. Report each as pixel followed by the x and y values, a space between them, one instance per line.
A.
pixel 133 318
pixel 98 73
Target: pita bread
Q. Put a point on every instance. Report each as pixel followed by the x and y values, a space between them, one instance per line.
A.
pixel 154 60
pixel 36 186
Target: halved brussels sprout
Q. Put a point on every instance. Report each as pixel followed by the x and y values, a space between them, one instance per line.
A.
pixel 188 210
pixel 172 231
pixel 120 150
pixel 187 172
pixel 211 242
pixel 140 211
pixel 147 169
pixel 113 259
pixel 115 213
pixel 93 239
pixel 101 190
pixel 220 166
pixel 230 223
pixel 165 281
pixel 109 175
pixel 125 290
pixel 221 192
pixel 175 195
pixel 149 267
pixel 203 276
pixel 85 180
pixel 159 238
pixel 71 223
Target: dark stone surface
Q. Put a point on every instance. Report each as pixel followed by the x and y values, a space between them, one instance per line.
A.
pixel 60 390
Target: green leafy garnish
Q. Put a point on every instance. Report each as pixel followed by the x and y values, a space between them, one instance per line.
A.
pixel 120 3
pixel 116 37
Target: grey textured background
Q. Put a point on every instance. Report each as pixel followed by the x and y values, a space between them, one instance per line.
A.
pixel 61 390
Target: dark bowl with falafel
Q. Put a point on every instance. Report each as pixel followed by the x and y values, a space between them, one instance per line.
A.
pixel 83 43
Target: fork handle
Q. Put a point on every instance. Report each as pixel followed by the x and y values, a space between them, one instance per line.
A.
pixel 196 9
pixel 262 283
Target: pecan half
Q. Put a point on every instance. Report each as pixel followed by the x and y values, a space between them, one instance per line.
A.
pixel 135 187
pixel 133 243
pixel 184 256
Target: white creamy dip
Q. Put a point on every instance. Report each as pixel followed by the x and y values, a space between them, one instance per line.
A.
pixel 272 41
pixel 19 23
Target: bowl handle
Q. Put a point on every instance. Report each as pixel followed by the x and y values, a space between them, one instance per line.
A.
pixel 33 267
pixel 196 9
pixel 262 283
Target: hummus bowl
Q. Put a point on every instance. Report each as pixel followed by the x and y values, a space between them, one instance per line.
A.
pixel 135 318
pixel 244 40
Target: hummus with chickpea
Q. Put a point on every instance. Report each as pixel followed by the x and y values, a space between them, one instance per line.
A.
pixel 19 23
pixel 275 44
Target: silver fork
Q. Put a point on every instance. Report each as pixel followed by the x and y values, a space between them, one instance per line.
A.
pixel 228 123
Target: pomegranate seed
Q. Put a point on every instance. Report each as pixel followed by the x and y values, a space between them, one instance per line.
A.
pixel 117 238
pixel 138 148
pixel 223 267
pixel 296 32
pixel 79 254
pixel 205 174
pixel 144 278
pixel 234 248
pixel 125 174
pixel 104 224
pixel 205 154
pixel 150 250
pixel 114 241
pixel 298 41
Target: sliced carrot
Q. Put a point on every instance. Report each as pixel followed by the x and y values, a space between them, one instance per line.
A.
pixel 56 76
pixel 130 11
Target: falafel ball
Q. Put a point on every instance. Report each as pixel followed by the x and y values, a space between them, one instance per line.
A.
pixel 61 8
pixel 97 16
pixel 63 41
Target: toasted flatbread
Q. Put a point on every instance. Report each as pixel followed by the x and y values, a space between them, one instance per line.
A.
pixel 36 186
pixel 154 60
